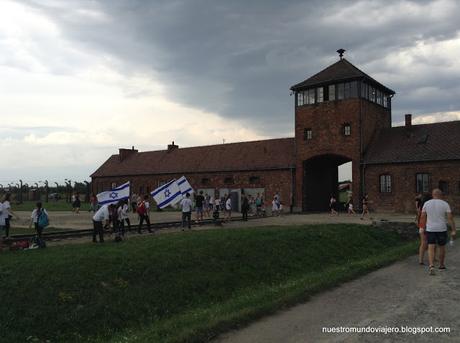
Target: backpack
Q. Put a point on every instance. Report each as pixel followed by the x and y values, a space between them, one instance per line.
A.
pixel 42 219
pixel 141 208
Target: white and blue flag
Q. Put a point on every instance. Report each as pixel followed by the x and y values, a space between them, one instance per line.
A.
pixel 115 195
pixel 184 186
pixel 168 194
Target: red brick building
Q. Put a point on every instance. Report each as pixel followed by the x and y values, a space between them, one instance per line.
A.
pixel 341 115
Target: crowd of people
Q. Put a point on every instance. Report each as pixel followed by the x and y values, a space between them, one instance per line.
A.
pixel 433 216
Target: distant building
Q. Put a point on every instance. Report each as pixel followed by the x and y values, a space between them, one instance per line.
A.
pixel 341 115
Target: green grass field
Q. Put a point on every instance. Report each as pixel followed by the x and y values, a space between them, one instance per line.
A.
pixel 180 287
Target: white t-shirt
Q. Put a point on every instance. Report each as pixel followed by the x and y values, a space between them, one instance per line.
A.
pixel 186 205
pixel 6 208
pixel 102 214
pixel 34 215
pixel 436 210
pixel 147 206
pixel 228 204
pixel 122 212
pixel 2 214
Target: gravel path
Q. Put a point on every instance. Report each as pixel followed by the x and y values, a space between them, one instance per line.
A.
pixel 402 294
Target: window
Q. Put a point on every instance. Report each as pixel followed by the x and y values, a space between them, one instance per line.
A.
pixel 371 93
pixel 385 183
pixel 300 99
pixel 379 98
pixel 307 134
pixel 331 92
pixel 228 180
pixel 254 179
pixel 340 91
pixel 385 100
pixel 346 129
pixel 319 94
pixel 444 186
pixel 353 89
pixel 204 181
pixel 311 96
pixel 422 183
pixel 364 90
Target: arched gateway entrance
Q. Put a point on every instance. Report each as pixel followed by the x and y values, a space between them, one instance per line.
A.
pixel 320 180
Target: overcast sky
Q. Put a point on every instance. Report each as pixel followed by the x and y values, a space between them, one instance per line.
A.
pixel 79 79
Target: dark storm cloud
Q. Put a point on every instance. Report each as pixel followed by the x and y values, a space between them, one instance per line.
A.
pixel 239 58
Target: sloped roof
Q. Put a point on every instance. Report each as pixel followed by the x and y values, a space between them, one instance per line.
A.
pixel 256 155
pixel 340 71
pixel 418 143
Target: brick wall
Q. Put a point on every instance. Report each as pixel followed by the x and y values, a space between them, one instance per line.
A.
pixel 272 180
pixel 326 121
pixel 402 197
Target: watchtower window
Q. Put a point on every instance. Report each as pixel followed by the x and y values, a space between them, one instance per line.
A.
pixel 331 92
pixel 346 129
pixel 307 134
pixel 319 94
pixel 340 91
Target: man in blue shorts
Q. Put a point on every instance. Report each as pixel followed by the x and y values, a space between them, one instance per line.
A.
pixel 434 214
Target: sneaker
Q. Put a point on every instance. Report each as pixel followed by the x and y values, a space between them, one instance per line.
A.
pixel 431 270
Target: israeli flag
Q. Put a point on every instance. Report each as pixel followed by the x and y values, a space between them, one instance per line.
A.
pixel 168 194
pixel 184 186
pixel 115 195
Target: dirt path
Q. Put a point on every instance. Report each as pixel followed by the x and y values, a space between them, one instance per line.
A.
pixel 402 294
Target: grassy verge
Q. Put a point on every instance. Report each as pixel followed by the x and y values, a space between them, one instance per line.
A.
pixel 184 287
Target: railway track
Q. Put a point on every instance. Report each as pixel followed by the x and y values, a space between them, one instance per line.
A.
pixel 65 234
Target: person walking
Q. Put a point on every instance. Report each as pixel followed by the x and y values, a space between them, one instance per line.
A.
pixel 101 219
pixel 76 204
pixel 8 213
pixel 186 206
pixel 92 203
pixel 275 206
pixel 365 203
pixel 421 223
pixel 333 206
pixel 199 201
pixel 349 207
pixel 123 216
pixel 434 214
pixel 39 218
pixel 228 208
pixel 142 210
pixel 244 207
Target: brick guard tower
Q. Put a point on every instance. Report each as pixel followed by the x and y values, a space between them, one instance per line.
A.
pixel 338 111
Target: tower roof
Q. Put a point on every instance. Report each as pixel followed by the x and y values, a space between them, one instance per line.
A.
pixel 342 70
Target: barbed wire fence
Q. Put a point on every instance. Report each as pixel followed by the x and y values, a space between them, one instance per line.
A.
pixel 42 190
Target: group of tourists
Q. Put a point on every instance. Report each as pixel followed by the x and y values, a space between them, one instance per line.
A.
pixel 334 206
pixel 433 215
pixel 116 217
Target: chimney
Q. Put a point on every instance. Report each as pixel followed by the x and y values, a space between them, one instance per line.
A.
pixel 123 154
pixel 408 120
pixel 172 146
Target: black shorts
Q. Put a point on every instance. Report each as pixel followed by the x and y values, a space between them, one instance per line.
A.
pixel 439 238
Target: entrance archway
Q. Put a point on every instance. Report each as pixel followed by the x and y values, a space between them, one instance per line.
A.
pixel 320 181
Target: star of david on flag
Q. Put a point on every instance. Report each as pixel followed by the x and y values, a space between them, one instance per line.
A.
pixel 114 195
pixel 168 194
